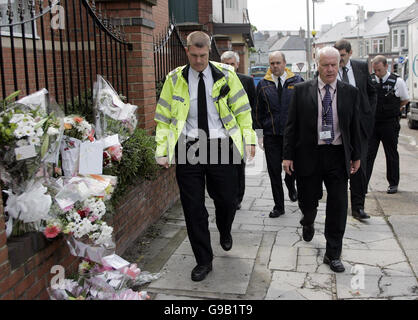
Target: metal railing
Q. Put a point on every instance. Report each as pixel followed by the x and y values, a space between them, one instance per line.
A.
pixel 69 44
pixel 169 53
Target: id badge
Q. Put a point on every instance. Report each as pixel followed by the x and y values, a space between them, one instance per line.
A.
pixel 325 133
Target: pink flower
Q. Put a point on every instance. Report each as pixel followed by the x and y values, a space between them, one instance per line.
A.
pixel 52 232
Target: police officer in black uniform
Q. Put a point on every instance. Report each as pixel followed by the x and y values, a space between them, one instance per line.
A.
pixel 392 96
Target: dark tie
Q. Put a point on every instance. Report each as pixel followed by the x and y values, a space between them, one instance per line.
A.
pixel 381 81
pixel 327 113
pixel 279 89
pixel 202 109
pixel 345 75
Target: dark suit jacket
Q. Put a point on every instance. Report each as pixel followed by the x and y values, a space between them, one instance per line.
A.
pixel 368 97
pixel 301 132
pixel 249 87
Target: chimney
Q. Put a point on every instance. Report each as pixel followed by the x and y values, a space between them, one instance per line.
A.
pixel 302 33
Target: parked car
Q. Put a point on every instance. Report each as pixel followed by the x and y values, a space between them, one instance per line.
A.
pixel 258 73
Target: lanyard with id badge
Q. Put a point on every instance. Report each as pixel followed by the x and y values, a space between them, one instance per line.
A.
pixel 326 132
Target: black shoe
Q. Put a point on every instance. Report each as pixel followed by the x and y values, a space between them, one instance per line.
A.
pixel 335 265
pixel 293 195
pixel 226 242
pixel 276 213
pixel 392 189
pixel 239 206
pixel 359 214
pixel 201 271
pixel 308 232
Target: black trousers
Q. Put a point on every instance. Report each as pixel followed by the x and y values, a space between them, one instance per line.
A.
pixel 388 134
pixel 273 147
pixel 221 182
pixel 332 172
pixel 358 181
pixel 241 181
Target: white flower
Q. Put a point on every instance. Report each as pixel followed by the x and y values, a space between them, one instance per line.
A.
pixel 17 118
pixel 28 130
pixel 22 143
pixel 19 133
pixel 52 131
pixel 34 140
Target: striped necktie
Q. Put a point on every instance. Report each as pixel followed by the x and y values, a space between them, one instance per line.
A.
pixel 327 113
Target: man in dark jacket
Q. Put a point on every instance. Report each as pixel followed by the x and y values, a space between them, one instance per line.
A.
pixel 357 74
pixel 322 145
pixel 232 58
pixel 274 93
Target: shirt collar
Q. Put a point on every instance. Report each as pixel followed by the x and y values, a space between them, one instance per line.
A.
pixel 282 77
pixel 195 74
pixel 321 84
pixel 348 66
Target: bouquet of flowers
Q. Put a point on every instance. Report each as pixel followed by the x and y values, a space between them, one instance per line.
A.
pixel 100 281
pixel 113 116
pixel 29 137
pixel 76 130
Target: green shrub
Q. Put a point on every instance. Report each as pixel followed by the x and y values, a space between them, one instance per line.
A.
pixel 138 162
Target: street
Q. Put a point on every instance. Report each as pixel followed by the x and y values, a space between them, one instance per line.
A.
pixel 269 259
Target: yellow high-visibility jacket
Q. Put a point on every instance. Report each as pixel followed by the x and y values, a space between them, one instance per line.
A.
pixel 174 104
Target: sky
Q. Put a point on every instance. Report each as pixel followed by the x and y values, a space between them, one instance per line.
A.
pixel 291 14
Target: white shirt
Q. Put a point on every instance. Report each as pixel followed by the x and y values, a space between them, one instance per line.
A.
pixel 216 128
pixel 282 78
pixel 350 74
pixel 333 92
pixel 401 90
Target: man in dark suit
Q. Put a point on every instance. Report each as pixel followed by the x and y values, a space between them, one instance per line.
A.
pixel 357 74
pixel 232 58
pixel 322 144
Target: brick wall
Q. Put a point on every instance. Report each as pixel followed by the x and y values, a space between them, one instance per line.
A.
pixel 205 14
pixel 160 14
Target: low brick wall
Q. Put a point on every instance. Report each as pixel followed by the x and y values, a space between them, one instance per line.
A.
pixel 143 205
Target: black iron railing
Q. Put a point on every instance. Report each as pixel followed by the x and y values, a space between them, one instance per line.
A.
pixel 169 53
pixel 65 59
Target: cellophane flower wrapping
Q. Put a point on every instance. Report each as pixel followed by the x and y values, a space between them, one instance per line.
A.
pixel 79 211
pixel 29 142
pixel 76 130
pixel 113 116
pixel 101 281
pixel 29 138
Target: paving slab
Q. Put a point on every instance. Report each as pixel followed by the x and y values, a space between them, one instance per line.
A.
pixel 299 286
pixel 283 258
pixel 229 275
pixel 375 286
pixel 245 245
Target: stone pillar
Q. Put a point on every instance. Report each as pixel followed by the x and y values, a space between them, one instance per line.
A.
pixel 136 18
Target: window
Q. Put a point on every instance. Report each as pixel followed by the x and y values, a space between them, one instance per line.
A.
pixel 395 39
pixel 17 29
pixel 367 46
pixel 233 4
pixel 403 39
pixel 378 46
pixel 399 40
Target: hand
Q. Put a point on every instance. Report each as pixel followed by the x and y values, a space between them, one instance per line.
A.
pixel 354 166
pixel 250 151
pixel 288 166
pixel 163 161
pixel 261 143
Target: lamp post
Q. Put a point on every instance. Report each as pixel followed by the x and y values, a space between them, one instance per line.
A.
pixel 360 11
pixel 313 11
pixel 308 69
pixel 314 32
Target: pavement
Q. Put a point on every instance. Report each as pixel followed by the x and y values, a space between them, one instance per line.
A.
pixel 269 259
